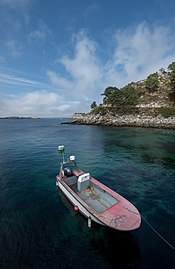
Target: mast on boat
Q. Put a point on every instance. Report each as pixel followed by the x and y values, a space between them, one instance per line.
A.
pixel 61 149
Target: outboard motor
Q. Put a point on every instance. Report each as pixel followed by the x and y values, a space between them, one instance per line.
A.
pixel 68 172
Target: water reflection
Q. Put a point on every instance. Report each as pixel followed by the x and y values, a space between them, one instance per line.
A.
pixel 116 248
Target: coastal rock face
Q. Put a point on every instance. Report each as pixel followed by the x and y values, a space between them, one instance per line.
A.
pixel 146 103
pixel 126 120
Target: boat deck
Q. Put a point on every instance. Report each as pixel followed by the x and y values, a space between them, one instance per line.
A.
pixel 94 196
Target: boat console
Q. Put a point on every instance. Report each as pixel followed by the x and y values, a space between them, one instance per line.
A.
pixel 83 182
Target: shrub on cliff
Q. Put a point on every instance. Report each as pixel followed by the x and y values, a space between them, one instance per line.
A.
pixel 167 112
pixel 93 105
pixel 111 95
pixel 152 82
pixel 171 68
pixel 127 96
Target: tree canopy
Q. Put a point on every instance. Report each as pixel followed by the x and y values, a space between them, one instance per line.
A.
pixel 171 68
pixel 93 105
pixel 152 82
pixel 126 96
pixel 110 94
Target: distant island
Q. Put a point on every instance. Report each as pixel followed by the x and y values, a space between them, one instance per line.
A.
pixel 146 103
pixel 17 118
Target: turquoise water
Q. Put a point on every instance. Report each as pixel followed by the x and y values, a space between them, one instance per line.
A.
pixel 39 228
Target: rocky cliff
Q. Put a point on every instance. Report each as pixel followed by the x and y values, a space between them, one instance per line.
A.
pixel 145 103
pixel 127 120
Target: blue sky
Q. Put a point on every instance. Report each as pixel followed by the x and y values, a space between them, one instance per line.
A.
pixel 58 56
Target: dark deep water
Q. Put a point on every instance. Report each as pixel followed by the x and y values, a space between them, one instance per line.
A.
pixel 38 227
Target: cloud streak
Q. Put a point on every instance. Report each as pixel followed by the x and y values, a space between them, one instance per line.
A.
pixel 20 81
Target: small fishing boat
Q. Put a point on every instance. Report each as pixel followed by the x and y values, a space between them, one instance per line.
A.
pixel 93 199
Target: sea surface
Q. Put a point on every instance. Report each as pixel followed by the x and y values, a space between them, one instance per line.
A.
pixel 38 226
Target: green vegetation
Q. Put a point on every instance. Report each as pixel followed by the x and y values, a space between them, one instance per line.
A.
pixel 152 82
pixel 171 68
pixel 130 95
pixel 162 70
pixel 167 112
pixel 124 97
pixel 154 95
pixel 93 105
pixel 111 95
pixel 100 110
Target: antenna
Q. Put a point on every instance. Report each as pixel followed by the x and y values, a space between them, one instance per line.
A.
pixel 61 150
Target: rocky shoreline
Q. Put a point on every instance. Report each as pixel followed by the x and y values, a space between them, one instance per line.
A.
pixel 125 120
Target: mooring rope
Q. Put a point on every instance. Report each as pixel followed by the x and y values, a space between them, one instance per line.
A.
pixel 158 233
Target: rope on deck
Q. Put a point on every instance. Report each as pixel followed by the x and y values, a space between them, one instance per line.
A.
pixel 154 230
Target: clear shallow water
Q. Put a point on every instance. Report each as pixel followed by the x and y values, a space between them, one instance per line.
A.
pixel 38 227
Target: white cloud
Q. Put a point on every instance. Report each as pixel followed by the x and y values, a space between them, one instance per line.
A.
pixel 84 64
pixel 140 51
pixel 90 11
pixel 15 48
pixel 58 81
pixel 40 33
pixel 16 4
pixel 84 72
pixel 15 18
pixel 39 103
